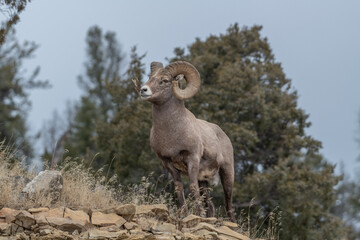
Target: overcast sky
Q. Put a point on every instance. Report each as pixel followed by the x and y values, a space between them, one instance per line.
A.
pixel 317 42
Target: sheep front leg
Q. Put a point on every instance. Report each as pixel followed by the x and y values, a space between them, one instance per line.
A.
pixel 193 171
pixel 179 187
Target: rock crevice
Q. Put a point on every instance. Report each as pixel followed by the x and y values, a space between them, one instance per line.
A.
pixel 122 222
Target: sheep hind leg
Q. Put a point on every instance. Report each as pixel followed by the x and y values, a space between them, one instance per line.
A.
pixel 204 192
pixel 227 181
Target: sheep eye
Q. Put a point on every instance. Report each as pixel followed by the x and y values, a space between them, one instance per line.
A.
pixel 164 81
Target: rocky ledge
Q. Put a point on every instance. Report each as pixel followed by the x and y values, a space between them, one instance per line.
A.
pixel 123 222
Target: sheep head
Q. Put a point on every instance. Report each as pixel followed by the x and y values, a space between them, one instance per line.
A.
pixel 163 82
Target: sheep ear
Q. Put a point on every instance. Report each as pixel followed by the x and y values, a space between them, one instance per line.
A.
pixel 180 81
pixel 179 77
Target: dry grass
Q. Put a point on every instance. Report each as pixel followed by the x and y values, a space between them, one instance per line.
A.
pixel 12 178
pixel 256 229
pixel 85 188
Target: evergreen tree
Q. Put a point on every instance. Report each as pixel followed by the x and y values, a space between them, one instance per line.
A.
pixel 348 205
pixel 110 122
pixel 348 198
pixel 245 91
pixel 11 8
pixel 14 91
pixel 101 68
pixel 125 139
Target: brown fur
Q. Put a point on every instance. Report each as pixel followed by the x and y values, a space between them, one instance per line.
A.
pixel 187 145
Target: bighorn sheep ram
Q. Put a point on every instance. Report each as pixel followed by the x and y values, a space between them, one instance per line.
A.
pixel 187 145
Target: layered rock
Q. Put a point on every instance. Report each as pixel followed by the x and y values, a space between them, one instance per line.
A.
pixel 122 222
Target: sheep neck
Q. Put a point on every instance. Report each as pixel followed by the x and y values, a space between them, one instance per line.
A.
pixel 168 114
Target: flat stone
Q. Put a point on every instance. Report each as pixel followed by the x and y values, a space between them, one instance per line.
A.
pixel 189 236
pixel 98 234
pixel 223 230
pixel 156 208
pixel 55 212
pixel 56 234
pixel 5 228
pixel 9 214
pixel 103 219
pixel 210 220
pixel 41 220
pixel 45 231
pixel 228 232
pixel 207 234
pixel 140 235
pixel 111 228
pixel 127 211
pixel 186 230
pixel 26 219
pixel 65 224
pixel 146 223
pixel 131 225
pixel 231 225
pixel 16 229
pixel 80 216
pixel 164 237
pixel 17 222
pixel 38 210
pixel 163 228
pixel 225 237
pixel 191 221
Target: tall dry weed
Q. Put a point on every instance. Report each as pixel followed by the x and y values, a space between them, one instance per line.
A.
pixel 13 177
pixel 260 226
pixel 85 188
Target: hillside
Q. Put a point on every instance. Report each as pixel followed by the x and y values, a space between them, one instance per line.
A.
pixel 122 222
pixel 75 202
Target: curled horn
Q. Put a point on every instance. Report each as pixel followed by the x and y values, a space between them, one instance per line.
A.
pixel 191 75
pixel 155 66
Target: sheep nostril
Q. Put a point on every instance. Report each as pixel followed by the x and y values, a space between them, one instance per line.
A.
pixel 143 90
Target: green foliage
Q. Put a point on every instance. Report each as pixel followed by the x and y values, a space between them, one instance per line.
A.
pixel 348 198
pixel 95 107
pixel 11 8
pixel 111 122
pixel 304 191
pixel 125 138
pixel 245 91
pixel 14 91
pixel 348 205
